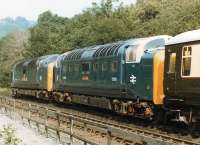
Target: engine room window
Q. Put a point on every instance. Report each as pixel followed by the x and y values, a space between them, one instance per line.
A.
pixel 76 67
pixel 85 67
pixel 172 63
pixel 64 71
pixel 104 66
pixel 114 66
pixel 131 53
pixel 186 61
pixel 69 68
pixel 95 66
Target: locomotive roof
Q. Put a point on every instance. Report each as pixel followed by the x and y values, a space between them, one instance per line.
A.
pixel 94 51
pixel 185 37
pixel 47 58
pixel 105 50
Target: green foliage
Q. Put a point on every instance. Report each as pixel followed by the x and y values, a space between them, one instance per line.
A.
pixel 11 50
pixel 8 136
pixel 106 22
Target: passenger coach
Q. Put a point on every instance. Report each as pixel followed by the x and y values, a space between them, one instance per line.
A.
pixel 182 76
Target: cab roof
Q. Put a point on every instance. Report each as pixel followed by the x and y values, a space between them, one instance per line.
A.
pixel 185 37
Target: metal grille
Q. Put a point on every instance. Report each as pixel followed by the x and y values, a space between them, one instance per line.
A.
pixel 108 50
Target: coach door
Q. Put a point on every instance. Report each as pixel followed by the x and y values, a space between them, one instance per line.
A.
pixel 170 70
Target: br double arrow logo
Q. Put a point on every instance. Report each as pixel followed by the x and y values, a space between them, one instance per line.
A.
pixel 133 79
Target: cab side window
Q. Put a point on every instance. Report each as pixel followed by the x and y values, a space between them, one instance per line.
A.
pixel 186 60
pixel 131 53
pixel 172 63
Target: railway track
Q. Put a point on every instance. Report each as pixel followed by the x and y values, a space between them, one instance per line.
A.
pixel 86 128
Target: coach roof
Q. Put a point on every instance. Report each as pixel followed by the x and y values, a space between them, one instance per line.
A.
pixel 185 37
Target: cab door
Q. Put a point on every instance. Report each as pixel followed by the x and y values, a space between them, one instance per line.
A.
pixel 170 70
pixel 131 71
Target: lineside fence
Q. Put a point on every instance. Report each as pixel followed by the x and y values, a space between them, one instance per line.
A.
pixel 73 130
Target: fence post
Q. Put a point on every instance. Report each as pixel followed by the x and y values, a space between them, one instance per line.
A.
pixel 46 121
pixel 5 106
pixel 58 128
pixel 14 110
pixel 22 112
pixel 37 118
pixel 108 137
pixel 29 114
pixel 71 130
pixel 85 131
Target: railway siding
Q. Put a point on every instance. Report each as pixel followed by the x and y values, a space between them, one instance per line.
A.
pixel 61 125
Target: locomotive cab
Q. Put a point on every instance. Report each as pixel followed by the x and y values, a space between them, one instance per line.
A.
pixel 144 69
pixel 182 75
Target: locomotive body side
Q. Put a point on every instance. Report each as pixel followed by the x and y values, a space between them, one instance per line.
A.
pixel 118 76
pixel 81 73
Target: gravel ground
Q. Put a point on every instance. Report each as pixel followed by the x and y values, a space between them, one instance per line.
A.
pixel 27 135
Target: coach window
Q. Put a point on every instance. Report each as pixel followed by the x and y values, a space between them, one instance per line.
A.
pixel 186 60
pixel 131 53
pixel 172 63
pixel 190 61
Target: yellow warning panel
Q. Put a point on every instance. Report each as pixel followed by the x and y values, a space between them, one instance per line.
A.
pixel 158 72
pixel 50 77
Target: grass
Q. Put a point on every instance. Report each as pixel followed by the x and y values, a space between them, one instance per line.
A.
pixel 8 137
pixel 5 92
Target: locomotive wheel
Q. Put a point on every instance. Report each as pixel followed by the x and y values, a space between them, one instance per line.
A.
pixel 37 95
pixel 61 99
pixel 130 108
pixel 116 107
pixel 17 95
